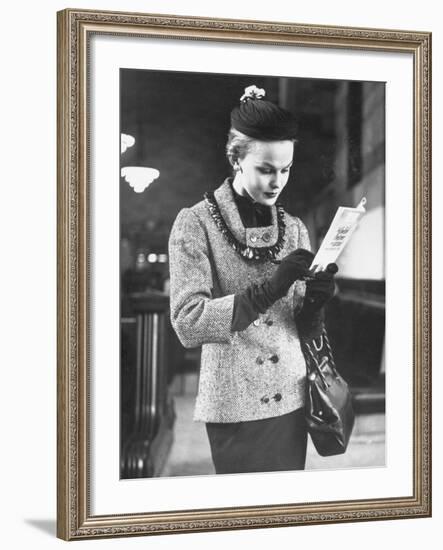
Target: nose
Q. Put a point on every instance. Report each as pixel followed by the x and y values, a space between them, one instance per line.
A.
pixel 278 182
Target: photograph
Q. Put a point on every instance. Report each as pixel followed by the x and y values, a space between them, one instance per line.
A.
pixel 229 184
pixel 243 282
pixel 225 216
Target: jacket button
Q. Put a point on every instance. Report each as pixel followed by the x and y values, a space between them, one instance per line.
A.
pixel 256 322
pixel 259 361
pixel 264 399
pixel 274 358
pixel 269 322
pixel 277 396
pixel 253 237
pixel 266 237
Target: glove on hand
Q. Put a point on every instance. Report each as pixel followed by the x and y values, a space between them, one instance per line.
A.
pixel 292 267
pixel 320 289
pixel 257 298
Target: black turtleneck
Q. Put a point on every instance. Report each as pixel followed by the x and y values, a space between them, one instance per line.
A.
pixel 252 213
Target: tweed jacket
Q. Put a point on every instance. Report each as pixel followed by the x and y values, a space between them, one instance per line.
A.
pixel 246 375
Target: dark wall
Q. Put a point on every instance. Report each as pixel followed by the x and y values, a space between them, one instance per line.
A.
pixel 180 122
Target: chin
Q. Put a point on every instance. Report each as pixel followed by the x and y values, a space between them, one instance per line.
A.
pixel 270 200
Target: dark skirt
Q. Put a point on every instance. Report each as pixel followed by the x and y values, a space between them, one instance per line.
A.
pixel 268 445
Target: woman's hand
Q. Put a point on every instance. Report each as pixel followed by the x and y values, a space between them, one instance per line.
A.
pixel 292 267
pixel 321 287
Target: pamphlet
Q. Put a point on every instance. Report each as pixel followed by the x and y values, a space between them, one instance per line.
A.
pixel 343 225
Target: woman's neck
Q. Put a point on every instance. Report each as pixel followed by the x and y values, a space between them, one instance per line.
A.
pixel 239 189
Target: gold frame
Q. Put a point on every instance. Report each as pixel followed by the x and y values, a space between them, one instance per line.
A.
pixel 74 520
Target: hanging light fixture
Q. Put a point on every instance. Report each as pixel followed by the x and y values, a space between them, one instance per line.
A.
pixel 126 141
pixel 139 177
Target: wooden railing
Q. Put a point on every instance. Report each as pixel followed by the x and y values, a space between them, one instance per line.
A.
pixel 147 412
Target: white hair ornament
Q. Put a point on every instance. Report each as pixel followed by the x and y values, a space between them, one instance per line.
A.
pixel 252 92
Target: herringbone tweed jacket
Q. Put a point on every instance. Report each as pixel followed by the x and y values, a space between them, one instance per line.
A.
pixel 246 375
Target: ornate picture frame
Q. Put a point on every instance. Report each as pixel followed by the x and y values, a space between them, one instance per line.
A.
pixel 77 252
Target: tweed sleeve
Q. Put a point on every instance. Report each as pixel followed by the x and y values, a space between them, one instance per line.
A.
pixel 299 287
pixel 196 316
pixel 303 236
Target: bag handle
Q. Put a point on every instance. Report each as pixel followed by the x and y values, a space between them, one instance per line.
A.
pixel 324 342
pixel 313 363
pixel 331 356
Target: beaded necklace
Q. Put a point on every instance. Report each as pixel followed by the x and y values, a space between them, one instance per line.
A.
pixel 247 252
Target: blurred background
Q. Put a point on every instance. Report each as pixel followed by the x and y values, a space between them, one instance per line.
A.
pixel 173 133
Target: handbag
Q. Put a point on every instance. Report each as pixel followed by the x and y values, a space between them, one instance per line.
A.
pixel 328 408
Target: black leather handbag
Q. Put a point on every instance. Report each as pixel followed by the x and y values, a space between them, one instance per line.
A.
pixel 328 409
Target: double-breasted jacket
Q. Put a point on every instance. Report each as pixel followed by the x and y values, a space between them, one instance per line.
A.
pixel 246 375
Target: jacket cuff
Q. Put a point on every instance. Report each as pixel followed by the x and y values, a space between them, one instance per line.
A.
pixel 205 322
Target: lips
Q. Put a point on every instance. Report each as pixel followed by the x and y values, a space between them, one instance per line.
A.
pixel 271 195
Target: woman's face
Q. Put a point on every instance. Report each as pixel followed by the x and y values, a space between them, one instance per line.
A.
pixel 265 169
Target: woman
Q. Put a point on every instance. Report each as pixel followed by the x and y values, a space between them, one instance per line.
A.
pixel 228 295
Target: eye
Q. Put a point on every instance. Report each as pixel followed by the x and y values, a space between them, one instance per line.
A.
pixel 265 171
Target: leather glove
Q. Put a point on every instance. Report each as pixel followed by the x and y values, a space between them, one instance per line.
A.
pixel 257 298
pixel 292 267
pixel 320 289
